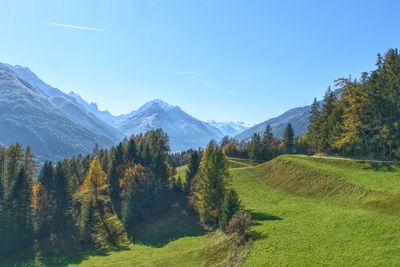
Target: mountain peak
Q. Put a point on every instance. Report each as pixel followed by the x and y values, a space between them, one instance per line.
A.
pixel 156 103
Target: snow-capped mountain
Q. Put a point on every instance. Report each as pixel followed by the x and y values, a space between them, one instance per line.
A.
pixel 68 105
pixel 27 116
pixel 183 130
pixel 59 125
pixel 229 128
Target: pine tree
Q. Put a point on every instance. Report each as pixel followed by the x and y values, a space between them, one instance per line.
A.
pixel 44 217
pixel 256 148
pixel 288 139
pixel 268 139
pixel 192 168
pixel 314 123
pixel 130 207
pixel 18 209
pixel 230 207
pixel 210 186
pixel 87 222
pixel 268 136
pixel 16 200
pixel 138 192
pixel 114 175
pixel 328 122
pixel 13 160
pixel 62 216
pixel 131 152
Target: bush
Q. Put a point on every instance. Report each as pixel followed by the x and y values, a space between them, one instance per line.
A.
pixel 240 224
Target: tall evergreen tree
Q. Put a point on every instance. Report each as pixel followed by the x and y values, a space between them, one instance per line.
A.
pixel 268 140
pixel 14 156
pixel 209 190
pixel 288 139
pixel 230 207
pixel 192 168
pixel 314 124
pixel 131 152
pixel 256 148
pixel 328 122
pixel 268 137
pixel 62 216
pixel 87 222
pixel 44 217
pixel 18 210
pixel 114 175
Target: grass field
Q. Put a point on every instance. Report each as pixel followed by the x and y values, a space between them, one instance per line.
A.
pixel 297 226
pixel 309 212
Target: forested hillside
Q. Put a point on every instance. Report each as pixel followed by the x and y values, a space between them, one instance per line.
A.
pixel 365 120
pixel 104 200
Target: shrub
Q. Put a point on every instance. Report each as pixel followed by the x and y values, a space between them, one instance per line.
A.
pixel 240 224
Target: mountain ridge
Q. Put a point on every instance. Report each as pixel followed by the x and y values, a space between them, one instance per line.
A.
pixel 29 118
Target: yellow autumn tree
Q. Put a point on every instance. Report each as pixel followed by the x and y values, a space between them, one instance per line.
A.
pixel 95 189
pixel 95 184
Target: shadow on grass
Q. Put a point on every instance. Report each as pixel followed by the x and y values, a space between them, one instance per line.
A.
pixel 177 222
pixel 174 225
pixel 258 217
pixel 380 166
pixel 262 216
pixel 54 258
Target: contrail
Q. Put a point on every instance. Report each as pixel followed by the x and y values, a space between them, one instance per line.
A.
pixel 77 27
pixel 183 72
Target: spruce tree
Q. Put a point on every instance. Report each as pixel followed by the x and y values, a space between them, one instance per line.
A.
pixel 313 134
pixel 192 168
pixel 130 207
pixel 114 175
pixel 62 216
pixel 87 222
pixel 131 152
pixel 256 148
pixel 45 217
pixel 18 209
pixel 13 161
pixel 268 136
pixel 288 139
pixel 268 139
pixel 210 186
pixel 230 207
pixel 327 122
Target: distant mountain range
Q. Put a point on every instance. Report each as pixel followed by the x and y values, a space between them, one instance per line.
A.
pixel 58 125
pixel 298 117
pixel 230 128
pixel 183 130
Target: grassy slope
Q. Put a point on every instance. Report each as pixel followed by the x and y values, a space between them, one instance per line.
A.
pixel 297 226
pixel 240 163
pixel 385 177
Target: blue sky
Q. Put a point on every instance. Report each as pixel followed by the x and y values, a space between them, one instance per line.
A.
pixel 243 60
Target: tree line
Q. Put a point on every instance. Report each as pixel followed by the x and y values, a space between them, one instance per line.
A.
pixel 361 118
pixel 266 146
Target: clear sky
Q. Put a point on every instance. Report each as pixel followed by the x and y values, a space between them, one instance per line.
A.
pixel 239 60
